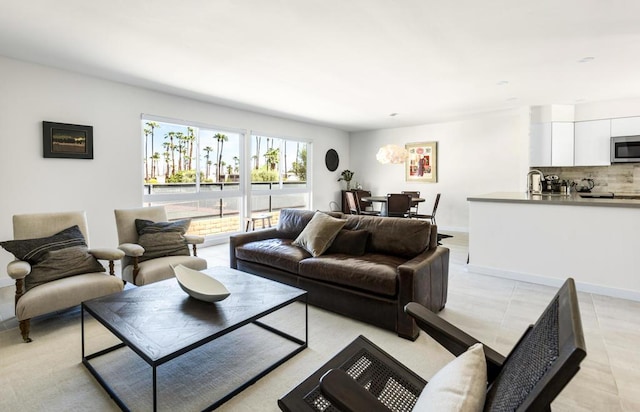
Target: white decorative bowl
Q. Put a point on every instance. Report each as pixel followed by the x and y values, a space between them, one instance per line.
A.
pixel 200 286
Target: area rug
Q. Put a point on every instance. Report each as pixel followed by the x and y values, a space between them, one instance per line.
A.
pixel 47 374
pixel 443 236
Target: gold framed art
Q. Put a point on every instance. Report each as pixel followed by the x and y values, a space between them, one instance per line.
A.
pixel 421 165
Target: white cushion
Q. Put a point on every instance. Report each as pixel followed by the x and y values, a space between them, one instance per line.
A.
pixel 460 386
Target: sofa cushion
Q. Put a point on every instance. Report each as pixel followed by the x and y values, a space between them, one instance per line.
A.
pixel 319 233
pixel 393 235
pixel 54 257
pixel 161 239
pixel 293 221
pixel 350 242
pixel 277 253
pixel 372 272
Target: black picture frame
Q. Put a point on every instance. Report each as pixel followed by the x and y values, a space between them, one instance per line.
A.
pixel 67 141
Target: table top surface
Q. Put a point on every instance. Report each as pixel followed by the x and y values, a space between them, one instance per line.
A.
pixel 160 320
pixel 384 199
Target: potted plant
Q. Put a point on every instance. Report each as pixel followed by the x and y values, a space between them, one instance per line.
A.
pixel 346 175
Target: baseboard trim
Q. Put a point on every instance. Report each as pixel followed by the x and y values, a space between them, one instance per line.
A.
pixel 7 282
pixel 547 281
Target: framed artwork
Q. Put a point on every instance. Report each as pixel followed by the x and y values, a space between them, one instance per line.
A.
pixel 70 141
pixel 421 165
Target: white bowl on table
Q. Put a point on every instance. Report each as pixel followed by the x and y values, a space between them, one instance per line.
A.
pixel 199 285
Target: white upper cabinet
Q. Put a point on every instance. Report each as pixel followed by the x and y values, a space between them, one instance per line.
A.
pixel 562 144
pixel 625 126
pixel 593 143
pixel 540 147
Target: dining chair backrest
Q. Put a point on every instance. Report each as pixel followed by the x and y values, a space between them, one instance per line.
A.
pixel 398 204
pixel 362 205
pixel 414 204
pixel 351 202
pixel 435 207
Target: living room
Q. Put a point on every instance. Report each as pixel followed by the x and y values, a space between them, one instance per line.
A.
pixel 479 152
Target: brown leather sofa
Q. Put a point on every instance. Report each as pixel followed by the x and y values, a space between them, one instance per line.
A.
pixel 401 263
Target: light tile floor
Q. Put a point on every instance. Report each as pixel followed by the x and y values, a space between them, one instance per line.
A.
pixel 497 311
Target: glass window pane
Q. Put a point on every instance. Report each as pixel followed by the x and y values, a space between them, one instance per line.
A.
pixel 219 160
pixel 276 160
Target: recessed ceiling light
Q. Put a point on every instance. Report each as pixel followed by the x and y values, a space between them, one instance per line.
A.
pixel 393 114
pixel 586 59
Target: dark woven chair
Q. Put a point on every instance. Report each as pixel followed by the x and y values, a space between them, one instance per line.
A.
pixel 362 377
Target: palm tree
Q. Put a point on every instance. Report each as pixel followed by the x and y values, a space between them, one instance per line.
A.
pixel 272 157
pixel 221 138
pixel 190 138
pixel 152 126
pixel 257 155
pixel 166 156
pixel 236 164
pixel 171 147
pixel 147 132
pixel 181 140
pixel 154 164
pixel 207 155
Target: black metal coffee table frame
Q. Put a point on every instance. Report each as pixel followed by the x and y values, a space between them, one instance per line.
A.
pixel 94 309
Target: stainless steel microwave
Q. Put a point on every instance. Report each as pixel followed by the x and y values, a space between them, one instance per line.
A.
pixel 625 149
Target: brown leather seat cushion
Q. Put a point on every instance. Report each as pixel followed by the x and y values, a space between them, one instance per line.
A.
pixel 278 253
pixel 374 273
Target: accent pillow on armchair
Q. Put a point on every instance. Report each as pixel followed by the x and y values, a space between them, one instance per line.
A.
pixel 153 244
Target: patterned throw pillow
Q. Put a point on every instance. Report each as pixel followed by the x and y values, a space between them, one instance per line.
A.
pixel 161 239
pixel 55 257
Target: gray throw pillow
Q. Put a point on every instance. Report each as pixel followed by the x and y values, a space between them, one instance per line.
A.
pixel 319 233
pixel 350 242
pixel 161 239
pixel 54 257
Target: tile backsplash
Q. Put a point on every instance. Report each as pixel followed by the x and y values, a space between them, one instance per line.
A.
pixel 618 178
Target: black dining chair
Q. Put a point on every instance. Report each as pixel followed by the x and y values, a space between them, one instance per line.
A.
pixel 351 203
pixel 362 205
pixel 398 205
pixel 431 216
pixel 413 210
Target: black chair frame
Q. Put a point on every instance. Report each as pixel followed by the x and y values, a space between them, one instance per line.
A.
pixel 539 366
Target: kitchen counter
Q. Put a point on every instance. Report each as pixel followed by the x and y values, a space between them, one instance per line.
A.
pixel 573 199
pixel 546 238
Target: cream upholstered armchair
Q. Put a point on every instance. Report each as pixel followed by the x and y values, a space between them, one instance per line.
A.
pixel 152 245
pixel 55 269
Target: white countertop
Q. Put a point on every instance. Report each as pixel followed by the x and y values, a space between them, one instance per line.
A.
pixel 573 199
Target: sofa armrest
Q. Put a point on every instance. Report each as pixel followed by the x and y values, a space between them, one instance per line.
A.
pixel 18 269
pixel 194 239
pixel 248 237
pixel 423 279
pixel 107 253
pixel 131 249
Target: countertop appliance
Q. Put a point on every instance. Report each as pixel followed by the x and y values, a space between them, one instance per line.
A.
pixel 625 149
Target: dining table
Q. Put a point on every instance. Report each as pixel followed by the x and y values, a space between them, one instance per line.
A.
pixel 383 202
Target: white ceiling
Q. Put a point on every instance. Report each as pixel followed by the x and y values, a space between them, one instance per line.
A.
pixel 348 64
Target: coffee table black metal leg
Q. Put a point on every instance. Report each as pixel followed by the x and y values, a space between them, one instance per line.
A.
pixel 155 389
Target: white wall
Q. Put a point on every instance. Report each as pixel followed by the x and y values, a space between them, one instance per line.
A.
pixel 482 154
pixel 29 183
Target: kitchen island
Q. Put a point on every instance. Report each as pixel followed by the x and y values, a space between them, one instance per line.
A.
pixel 547 238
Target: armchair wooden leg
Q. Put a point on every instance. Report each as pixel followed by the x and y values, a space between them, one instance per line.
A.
pixel 25 326
pixel 112 272
pixel 195 252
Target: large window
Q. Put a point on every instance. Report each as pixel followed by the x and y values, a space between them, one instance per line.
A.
pixel 278 173
pixel 217 177
pixel 194 171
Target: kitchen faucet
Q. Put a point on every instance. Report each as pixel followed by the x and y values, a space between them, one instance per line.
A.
pixel 534 186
